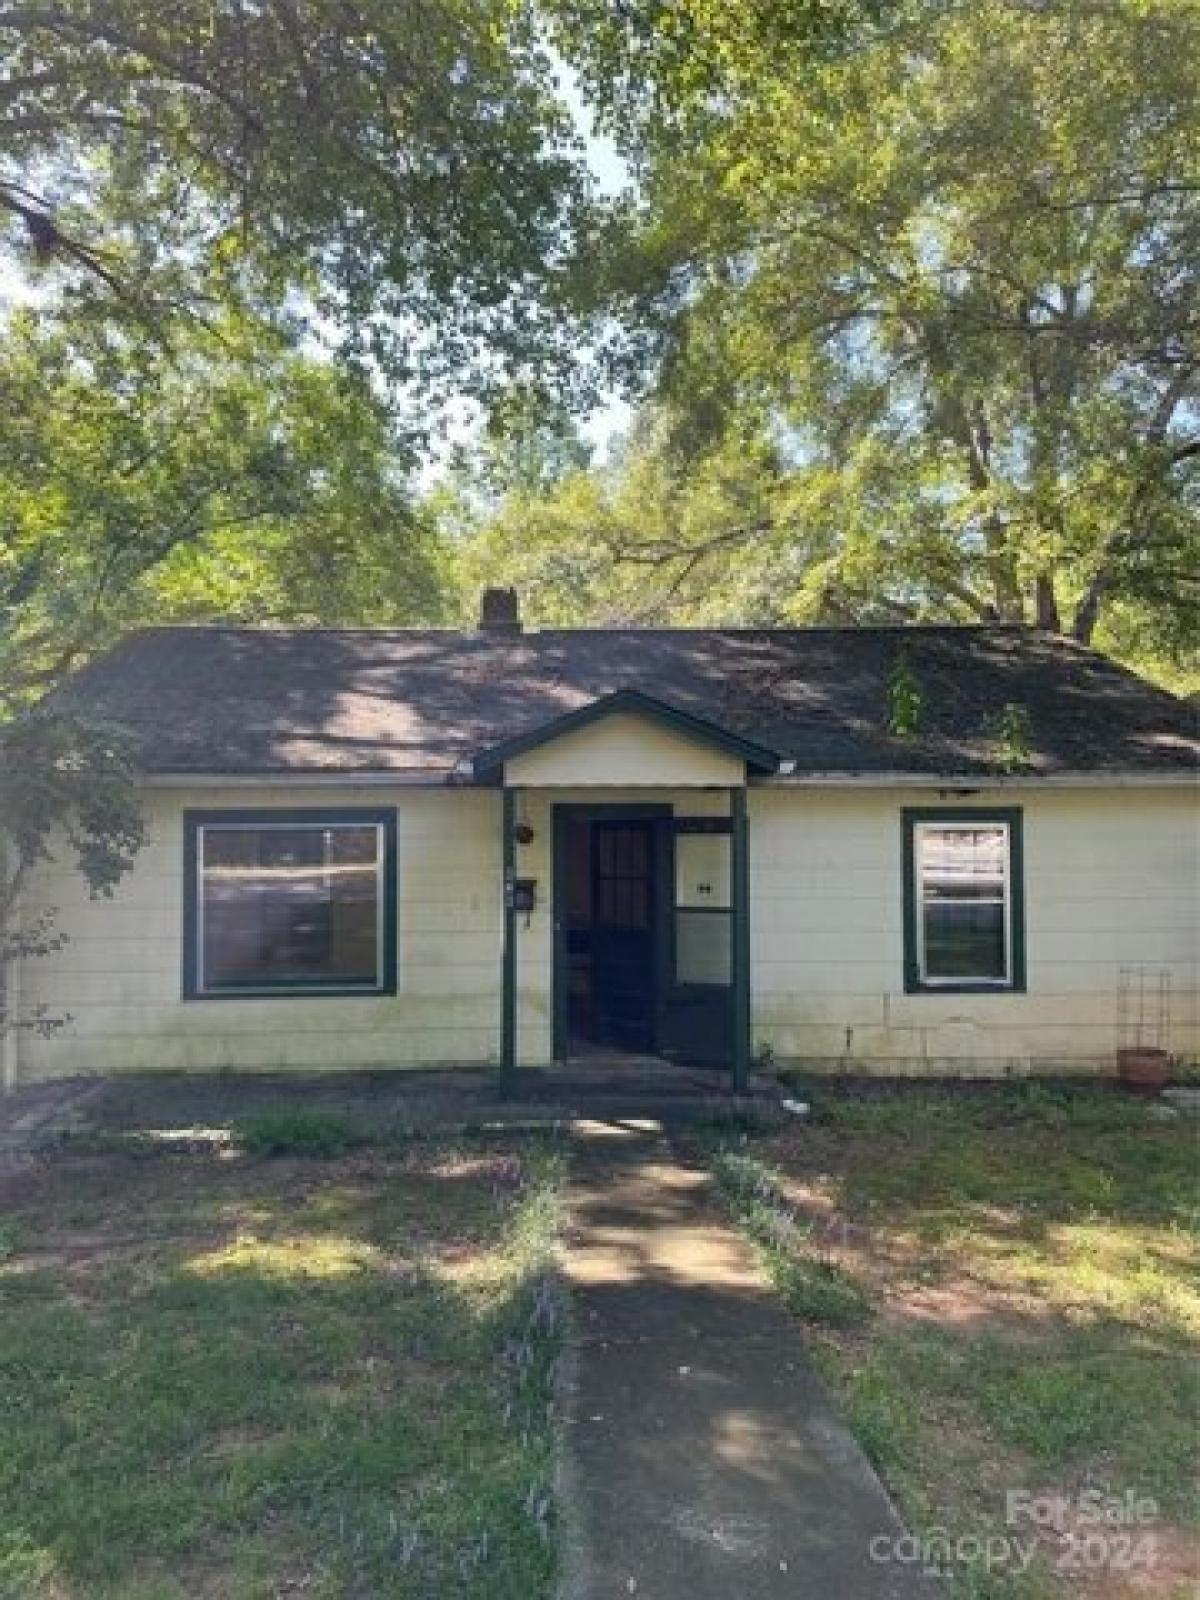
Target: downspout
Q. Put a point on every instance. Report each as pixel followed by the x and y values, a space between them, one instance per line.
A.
pixel 10 999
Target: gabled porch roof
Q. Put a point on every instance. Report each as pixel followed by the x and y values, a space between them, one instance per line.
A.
pixel 684 724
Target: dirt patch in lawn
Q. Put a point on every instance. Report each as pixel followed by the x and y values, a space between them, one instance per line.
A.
pixel 1002 1288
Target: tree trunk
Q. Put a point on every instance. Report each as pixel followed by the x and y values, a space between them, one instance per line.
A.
pixel 1088 610
pixel 1046 604
pixel 1006 591
pixel 1002 570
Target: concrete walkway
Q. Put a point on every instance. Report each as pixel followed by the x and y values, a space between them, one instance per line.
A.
pixel 703 1459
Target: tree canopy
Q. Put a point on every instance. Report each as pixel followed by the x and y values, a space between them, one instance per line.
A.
pixel 138 485
pixel 256 247
pixel 906 292
pixel 401 168
pixel 948 272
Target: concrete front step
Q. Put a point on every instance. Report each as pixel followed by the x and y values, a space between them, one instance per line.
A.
pixel 662 1110
pixel 636 1079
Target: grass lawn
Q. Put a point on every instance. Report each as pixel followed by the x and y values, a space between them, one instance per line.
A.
pixel 236 1375
pixel 1001 1286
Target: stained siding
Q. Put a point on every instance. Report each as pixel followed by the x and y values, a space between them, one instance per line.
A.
pixel 120 975
pixel 1111 880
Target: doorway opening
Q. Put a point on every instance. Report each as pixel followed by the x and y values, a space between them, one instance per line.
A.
pixel 611 920
pixel 643 935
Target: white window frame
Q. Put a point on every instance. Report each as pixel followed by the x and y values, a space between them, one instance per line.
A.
pixel 960 980
pixel 381 984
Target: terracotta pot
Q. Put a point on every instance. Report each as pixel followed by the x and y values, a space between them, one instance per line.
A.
pixel 1143 1068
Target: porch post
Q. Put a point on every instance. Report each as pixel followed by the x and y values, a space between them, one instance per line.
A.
pixel 508 961
pixel 739 900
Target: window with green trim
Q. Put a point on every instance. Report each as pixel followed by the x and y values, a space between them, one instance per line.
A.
pixel 289 902
pixel 964 901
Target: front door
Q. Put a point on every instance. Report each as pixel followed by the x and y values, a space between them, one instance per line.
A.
pixel 609 909
pixel 621 940
pixel 643 934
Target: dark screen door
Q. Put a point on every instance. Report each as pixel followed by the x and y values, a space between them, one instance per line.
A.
pixel 622 934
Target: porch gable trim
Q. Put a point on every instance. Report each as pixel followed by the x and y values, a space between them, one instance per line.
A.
pixel 698 729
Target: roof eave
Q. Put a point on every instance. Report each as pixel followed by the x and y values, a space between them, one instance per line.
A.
pixel 1095 778
pixel 310 777
pixel 446 778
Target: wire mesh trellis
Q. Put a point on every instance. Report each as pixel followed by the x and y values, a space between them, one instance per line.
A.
pixel 1144 1008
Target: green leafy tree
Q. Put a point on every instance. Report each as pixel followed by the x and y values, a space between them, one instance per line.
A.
pixel 954 260
pixel 401 168
pixel 207 201
pixel 530 442
pixel 237 479
pixel 654 66
pixel 63 783
pixel 665 532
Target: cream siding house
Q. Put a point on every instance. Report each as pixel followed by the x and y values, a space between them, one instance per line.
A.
pixel 399 850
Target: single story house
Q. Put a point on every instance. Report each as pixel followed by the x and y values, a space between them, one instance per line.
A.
pixel 943 850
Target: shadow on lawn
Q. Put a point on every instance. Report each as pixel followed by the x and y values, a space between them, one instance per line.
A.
pixel 335 1387
pixel 1028 1261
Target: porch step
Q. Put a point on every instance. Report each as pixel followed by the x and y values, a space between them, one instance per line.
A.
pixel 666 1110
pixel 635 1080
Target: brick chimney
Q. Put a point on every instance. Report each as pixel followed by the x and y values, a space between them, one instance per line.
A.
pixel 499 611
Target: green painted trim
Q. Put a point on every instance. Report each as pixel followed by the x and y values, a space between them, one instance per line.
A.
pixel 1013 816
pixel 558 960
pixel 563 813
pixel 234 816
pixel 508 955
pixel 739 891
pixel 698 729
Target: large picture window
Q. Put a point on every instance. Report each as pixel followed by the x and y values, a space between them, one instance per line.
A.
pixel 290 902
pixel 964 918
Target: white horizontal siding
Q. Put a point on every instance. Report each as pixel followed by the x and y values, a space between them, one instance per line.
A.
pixel 1111 881
pixel 120 975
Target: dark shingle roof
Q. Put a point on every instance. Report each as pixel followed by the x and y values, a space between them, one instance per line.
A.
pixel 256 700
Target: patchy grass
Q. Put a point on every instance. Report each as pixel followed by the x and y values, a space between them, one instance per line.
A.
pixel 1028 1259
pixel 298 1130
pixel 226 1377
pixel 813 1284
